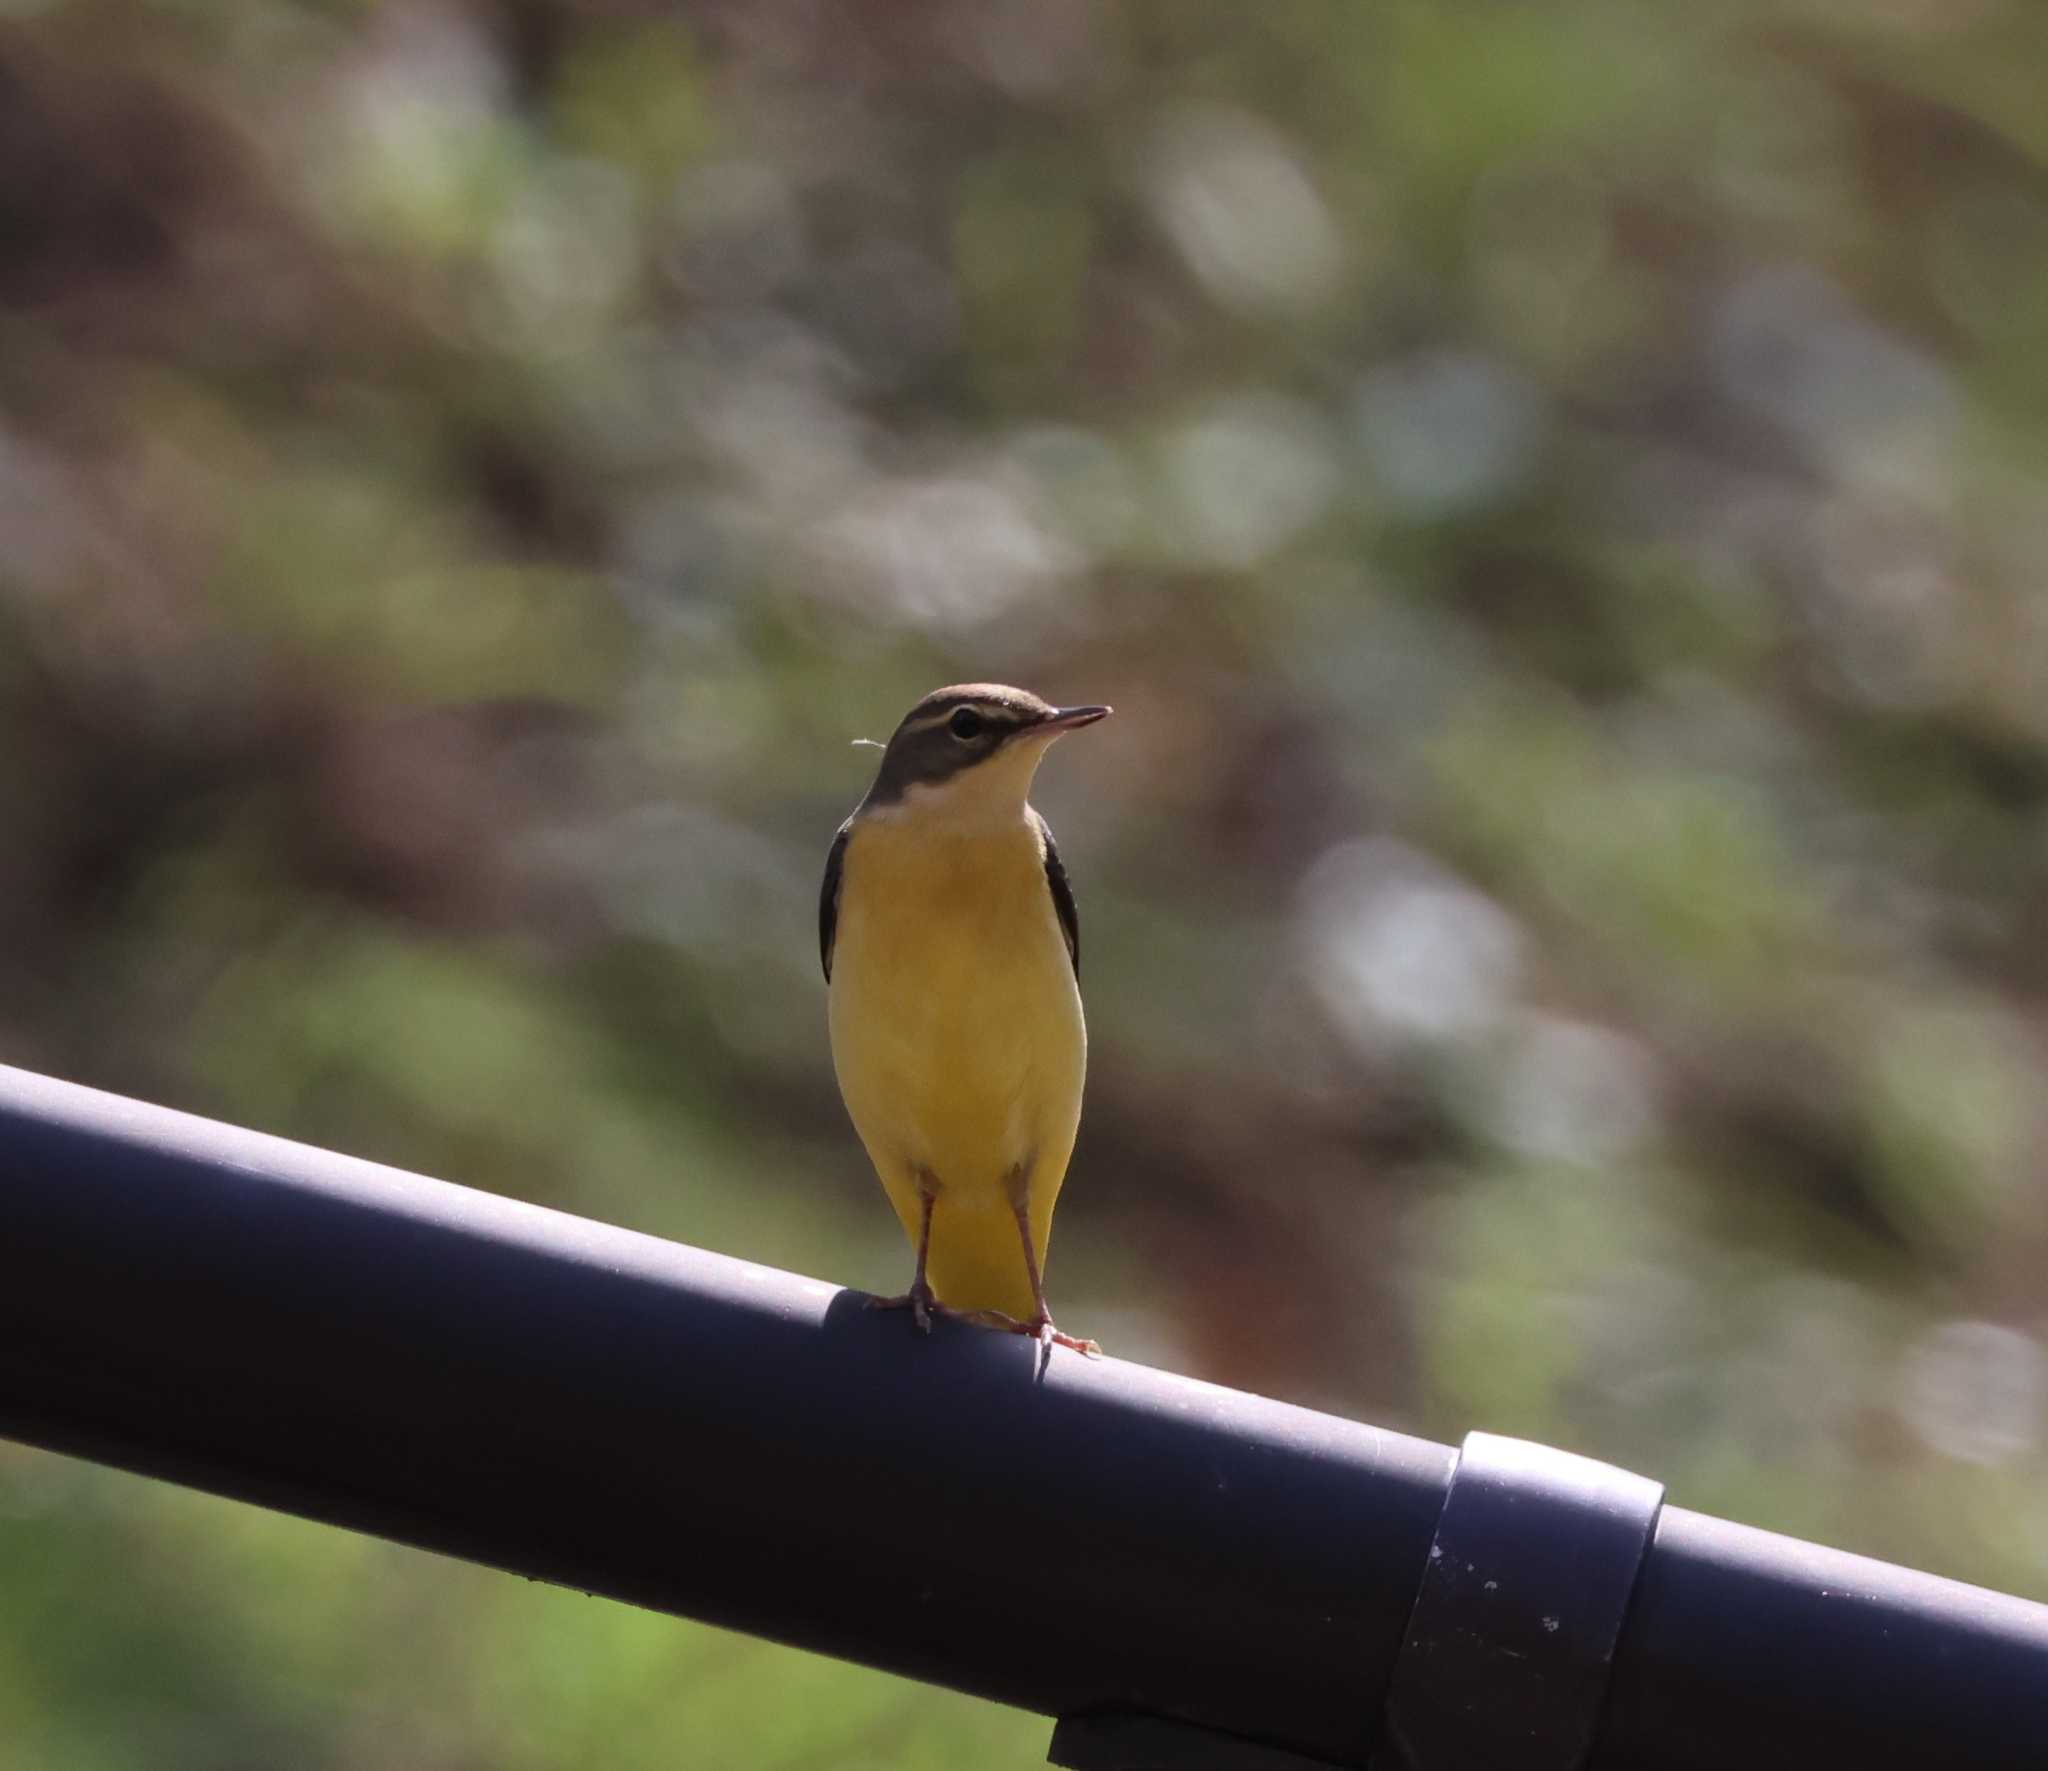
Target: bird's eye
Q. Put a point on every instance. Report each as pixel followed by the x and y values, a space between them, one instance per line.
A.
pixel 964 724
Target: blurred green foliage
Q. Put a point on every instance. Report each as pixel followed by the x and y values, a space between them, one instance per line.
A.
pixel 1554 493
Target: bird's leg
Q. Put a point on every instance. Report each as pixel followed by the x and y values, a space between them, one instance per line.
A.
pixel 918 1300
pixel 1040 1328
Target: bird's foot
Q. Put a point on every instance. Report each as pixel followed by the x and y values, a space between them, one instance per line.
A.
pixel 1048 1336
pixel 1040 1329
pixel 918 1300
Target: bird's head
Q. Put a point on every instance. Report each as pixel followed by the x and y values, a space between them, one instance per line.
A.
pixel 971 746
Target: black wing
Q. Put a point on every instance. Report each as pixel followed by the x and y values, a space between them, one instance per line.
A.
pixel 1062 898
pixel 828 898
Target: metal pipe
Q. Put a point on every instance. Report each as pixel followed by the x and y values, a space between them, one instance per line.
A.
pixel 585 1405
pixel 647 1421
pixel 1745 1648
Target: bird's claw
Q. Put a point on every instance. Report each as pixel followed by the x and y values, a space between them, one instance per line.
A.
pixel 923 1306
pixel 918 1300
pixel 1040 1329
pixel 1049 1336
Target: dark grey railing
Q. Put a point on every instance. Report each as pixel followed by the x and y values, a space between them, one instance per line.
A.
pixel 1184 1575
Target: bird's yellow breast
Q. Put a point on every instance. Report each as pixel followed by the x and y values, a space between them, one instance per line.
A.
pixel 958 1037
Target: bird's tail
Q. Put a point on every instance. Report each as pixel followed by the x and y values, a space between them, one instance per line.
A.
pixel 977 1263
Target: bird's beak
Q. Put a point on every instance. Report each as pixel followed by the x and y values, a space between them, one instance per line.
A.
pixel 1071 719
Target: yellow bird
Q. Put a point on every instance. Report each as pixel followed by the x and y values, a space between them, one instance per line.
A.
pixel 953 958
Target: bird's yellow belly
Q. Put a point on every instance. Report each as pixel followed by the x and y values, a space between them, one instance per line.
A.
pixel 958 1038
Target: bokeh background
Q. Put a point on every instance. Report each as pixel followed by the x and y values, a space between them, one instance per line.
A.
pixel 1555 493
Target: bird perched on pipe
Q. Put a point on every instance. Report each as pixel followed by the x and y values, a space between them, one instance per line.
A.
pixel 952 956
